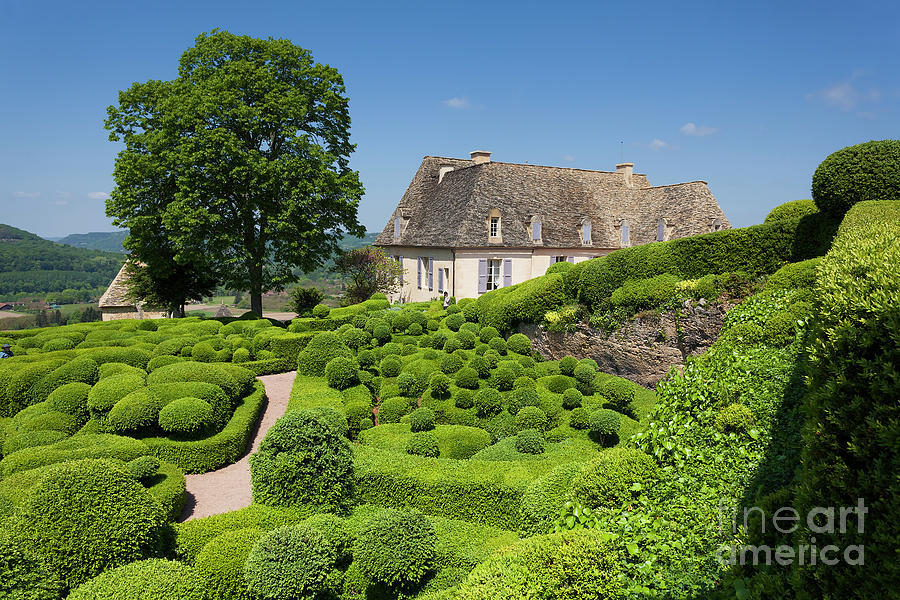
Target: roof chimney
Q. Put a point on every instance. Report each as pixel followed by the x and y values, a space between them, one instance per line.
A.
pixel 626 169
pixel 480 157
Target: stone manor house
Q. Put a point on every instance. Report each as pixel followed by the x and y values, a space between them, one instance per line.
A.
pixel 470 226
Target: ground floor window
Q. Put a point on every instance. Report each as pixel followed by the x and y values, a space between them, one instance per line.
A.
pixel 557 259
pixel 494 280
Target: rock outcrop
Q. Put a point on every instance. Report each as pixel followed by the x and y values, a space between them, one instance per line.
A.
pixel 644 348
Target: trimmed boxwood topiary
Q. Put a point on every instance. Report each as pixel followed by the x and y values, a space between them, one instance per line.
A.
pixel 222 375
pixel 486 334
pixel 391 365
pixel 152 579
pixel 464 399
pixel 359 417
pixel 31 439
pixel 393 409
pixel 519 343
pixel 421 419
pixel 619 394
pixel 320 311
pixel 454 321
pixel 396 548
pixel 319 351
pixel 303 461
pixel 504 378
pixel 87 516
pixel 734 418
pixel 186 417
pixel 579 419
pixel 451 363
pixel 572 399
pixel 71 399
pixel 467 378
pixel 498 345
pixel 290 563
pixel 161 361
pixel 584 373
pixel 521 398
pixel 604 424
pixel 567 365
pixel 143 467
pixel 608 480
pixel 531 417
pixel 530 441
pixel 791 210
pixel 869 171
pixel 439 384
pixel 22 576
pixel 222 561
pixel 423 443
pixel 341 372
pixel 136 413
pixel 81 369
pixel 558 384
pixel 489 402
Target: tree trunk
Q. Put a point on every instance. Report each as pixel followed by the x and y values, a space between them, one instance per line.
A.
pixel 255 271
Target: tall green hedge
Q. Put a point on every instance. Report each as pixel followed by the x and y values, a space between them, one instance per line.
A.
pixel 757 250
pixel 523 302
pixel 852 414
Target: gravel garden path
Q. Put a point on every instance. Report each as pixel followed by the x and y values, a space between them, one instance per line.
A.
pixel 228 488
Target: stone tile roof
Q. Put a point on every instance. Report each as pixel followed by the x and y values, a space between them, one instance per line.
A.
pixel 455 212
pixel 116 295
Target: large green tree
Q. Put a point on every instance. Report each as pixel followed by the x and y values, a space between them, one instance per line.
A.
pixel 240 164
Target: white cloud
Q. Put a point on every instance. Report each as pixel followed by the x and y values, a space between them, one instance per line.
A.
pixel 845 95
pixel 694 129
pixel 658 144
pixel 460 103
pixel 61 203
pixel 98 195
pixel 63 194
pixel 569 158
pixel 26 194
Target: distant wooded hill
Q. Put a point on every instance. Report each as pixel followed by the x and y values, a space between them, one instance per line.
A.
pixel 33 265
pixel 108 241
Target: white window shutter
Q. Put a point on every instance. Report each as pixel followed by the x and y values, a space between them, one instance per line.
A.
pixel 507 272
pixel 482 275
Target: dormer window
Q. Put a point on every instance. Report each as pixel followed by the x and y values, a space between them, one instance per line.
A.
pixel 661 230
pixel 717 225
pixel 586 232
pixel 495 227
pixel 626 233
pixel 398 222
pixel 535 229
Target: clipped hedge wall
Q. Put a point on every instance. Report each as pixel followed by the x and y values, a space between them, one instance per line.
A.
pixel 151 579
pixel 81 446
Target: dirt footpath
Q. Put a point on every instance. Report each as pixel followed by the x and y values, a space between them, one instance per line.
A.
pixel 228 488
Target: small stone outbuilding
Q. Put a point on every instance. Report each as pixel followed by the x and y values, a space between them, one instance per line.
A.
pixel 114 303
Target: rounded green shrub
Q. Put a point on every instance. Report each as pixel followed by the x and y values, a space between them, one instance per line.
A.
pixel 619 394
pixel 423 443
pixel 391 365
pixel 454 321
pixel 734 418
pixel 116 368
pixel 466 339
pixel 869 171
pixel 31 439
pixel 393 409
pixel 396 547
pixel 415 329
pixel 499 345
pixel 570 565
pixel 151 579
pixel 222 375
pixel 489 402
pixel 359 416
pixel 22 576
pixel 204 352
pixel 320 311
pixel 504 378
pixel 792 210
pixel 584 373
pixel 136 413
pixel 186 417
pixel 451 363
pixel 366 358
pixel 290 563
pixel 356 338
pixel 531 417
pixel 467 378
pixel 382 333
pixel 530 441
pixel 604 424
pixel 336 532
pixel 341 372
pixel 464 399
pixel 558 384
pixel 221 563
pixel 143 468
pixel 519 343
pixel 302 460
pixel 59 343
pixel 486 334
pixel 439 384
pixel 50 420
pixel 608 480
pixel 481 365
pixel 521 398
pixel 572 399
pixel 241 355
pixel 71 399
pixel 391 348
pixel 421 419
pixel 579 419
pixel 794 275
pixel 452 344
pixel 524 382
pixel 409 385
pixel 87 516
pixel 81 369
pixel 161 361
pixel 319 351
pixel 567 365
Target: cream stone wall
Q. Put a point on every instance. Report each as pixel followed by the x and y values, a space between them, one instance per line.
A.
pixel 543 257
pixel 411 292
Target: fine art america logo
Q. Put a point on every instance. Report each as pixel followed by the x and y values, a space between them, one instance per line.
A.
pixel 787 520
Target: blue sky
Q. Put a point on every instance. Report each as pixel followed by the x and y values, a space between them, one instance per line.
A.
pixel 748 96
